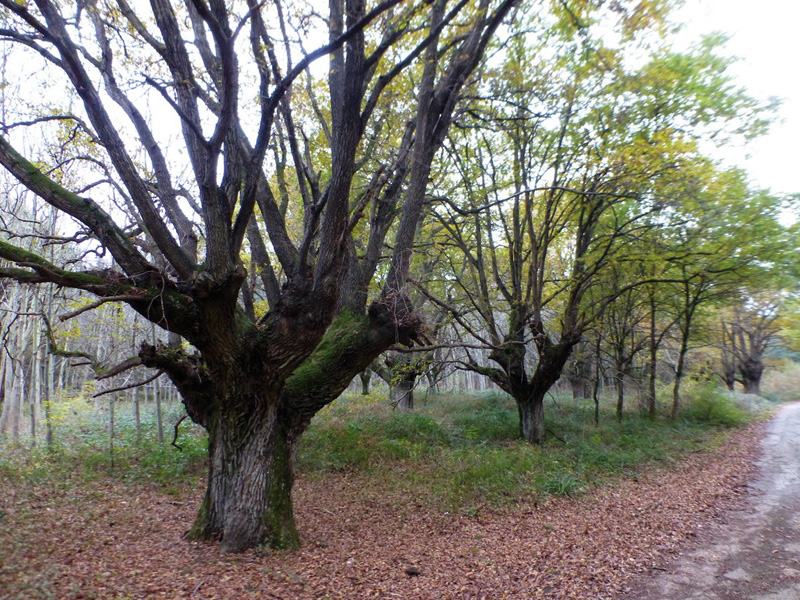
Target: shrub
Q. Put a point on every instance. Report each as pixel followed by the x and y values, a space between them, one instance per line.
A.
pixel 780 384
pixel 364 441
pixel 711 404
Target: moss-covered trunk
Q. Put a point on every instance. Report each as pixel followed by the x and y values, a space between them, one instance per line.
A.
pixel 255 423
pixel 248 500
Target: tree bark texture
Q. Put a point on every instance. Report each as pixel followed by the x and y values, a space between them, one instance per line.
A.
pixel 11 413
pixel 365 377
pixel 248 499
pixel 676 388
pixel 529 391
pixel 750 370
pixel 255 423
pixel 548 371
pixel 531 419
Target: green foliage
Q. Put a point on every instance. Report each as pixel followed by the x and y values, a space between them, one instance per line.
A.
pixel 711 404
pixel 82 451
pixel 563 485
pixel 476 475
pixel 369 440
pixel 480 418
pixel 462 452
pixel 69 410
pixel 456 452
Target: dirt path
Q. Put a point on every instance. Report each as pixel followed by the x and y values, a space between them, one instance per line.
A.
pixel 755 555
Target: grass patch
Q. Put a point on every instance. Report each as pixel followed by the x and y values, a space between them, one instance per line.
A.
pixel 365 441
pixel 82 450
pixel 462 452
pixel 712 405
pixel 455 452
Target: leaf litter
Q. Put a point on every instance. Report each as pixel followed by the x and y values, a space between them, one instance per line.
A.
pixel 123 541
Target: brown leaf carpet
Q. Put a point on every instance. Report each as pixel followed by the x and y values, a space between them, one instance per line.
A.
pixel 118 541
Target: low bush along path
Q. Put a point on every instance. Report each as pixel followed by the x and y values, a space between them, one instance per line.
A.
pixel 755 554
pixel 117 540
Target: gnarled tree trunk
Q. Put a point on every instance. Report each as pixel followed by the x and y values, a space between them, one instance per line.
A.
pixel 529 392
pixel 750 370
pixel 248 500
pixel 253 383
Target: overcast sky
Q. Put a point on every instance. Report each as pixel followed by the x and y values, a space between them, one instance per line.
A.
pixel 765 36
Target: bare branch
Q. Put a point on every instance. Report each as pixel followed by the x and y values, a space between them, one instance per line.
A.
pixel 93 305
pixel 125 365
pixel 128 386
pixel 175 440
pixel 84 209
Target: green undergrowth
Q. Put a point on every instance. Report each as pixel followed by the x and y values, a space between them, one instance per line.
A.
pixel 712 405
pixel 83 451
pixel 453 452
pixel 463 452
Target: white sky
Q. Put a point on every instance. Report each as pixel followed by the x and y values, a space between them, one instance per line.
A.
pixel 765 36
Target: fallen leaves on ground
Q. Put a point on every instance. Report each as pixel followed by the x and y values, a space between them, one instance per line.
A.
pixel 117 541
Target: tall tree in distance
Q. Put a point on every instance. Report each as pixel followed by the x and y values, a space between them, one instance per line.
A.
pixel 560 172
pixel 753 326
pixel 731 241
pixel 185 119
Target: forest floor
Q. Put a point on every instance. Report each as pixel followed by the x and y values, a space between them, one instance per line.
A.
pixel 118 540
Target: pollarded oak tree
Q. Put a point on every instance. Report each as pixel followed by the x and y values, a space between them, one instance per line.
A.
pixel 747 335
pixel 557 172
pixel 185 118
pixel 532 230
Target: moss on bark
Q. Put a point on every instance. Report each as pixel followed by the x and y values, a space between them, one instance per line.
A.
pixel 344 338
pixel 278 514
